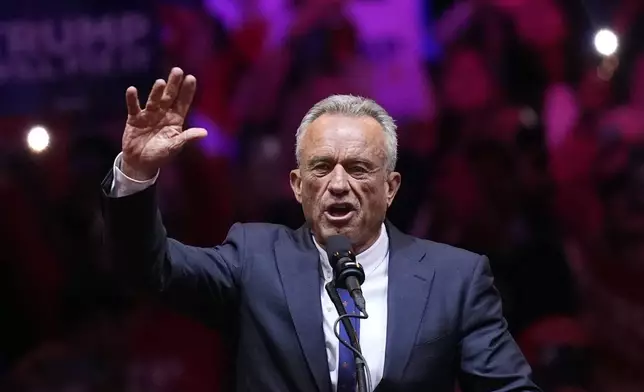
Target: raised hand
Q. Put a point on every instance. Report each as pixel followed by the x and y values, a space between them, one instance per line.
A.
pixel 155 134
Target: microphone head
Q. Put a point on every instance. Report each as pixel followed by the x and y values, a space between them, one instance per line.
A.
pixel 343 260
pixel 337 247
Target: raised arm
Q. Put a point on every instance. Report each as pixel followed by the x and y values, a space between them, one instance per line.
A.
pixel 200 281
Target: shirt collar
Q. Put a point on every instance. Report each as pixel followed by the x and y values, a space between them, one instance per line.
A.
pixel 370 258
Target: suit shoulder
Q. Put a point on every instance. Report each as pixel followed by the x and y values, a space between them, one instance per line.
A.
pixel 260 228
pixel 455 265
pixel 258 232
pixel 449 256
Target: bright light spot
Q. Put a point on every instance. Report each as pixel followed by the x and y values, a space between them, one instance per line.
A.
pixel 606 42
pixel 38 139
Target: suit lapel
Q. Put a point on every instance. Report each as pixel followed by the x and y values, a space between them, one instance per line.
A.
pixel 410 280
pixel 299 266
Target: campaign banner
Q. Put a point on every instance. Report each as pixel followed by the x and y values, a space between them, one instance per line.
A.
pixel 67 55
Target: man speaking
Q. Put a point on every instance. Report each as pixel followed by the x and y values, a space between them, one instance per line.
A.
pixel 434 316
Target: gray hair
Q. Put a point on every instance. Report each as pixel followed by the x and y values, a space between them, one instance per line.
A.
pixel 354 106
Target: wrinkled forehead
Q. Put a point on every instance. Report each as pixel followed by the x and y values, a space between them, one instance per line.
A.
pixel 344 137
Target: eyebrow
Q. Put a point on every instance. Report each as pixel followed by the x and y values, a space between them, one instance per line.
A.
pixel 318 159
pixel 326 159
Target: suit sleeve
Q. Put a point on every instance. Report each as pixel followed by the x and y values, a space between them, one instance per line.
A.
pixel 491 361
pixel 203 282
pixel 123 185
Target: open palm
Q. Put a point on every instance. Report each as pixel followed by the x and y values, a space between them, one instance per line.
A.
pixel 154 134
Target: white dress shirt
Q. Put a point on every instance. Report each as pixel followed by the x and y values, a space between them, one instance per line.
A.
pixel 373 330
pixel 374 260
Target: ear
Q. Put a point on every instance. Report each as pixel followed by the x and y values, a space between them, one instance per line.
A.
pixel 296 184
pixel 392 186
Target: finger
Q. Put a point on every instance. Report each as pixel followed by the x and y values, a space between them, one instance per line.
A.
pixel 154 99
pixel 189 135
pixel 194 134
pixel 172 88
pixel 186 95
pixel 132 101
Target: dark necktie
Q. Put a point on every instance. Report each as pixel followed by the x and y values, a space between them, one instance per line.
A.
pixel 347 364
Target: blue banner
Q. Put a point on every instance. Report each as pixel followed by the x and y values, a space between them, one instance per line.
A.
pixel 70 55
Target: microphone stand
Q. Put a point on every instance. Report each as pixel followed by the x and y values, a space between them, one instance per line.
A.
pixel 353 336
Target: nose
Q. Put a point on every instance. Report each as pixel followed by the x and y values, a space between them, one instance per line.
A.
pixel 339 182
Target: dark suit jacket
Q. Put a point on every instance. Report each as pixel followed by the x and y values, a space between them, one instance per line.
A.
pixel 444 314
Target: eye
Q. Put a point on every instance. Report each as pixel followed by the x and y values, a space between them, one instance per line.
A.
pixel 358 170
pixel 321 168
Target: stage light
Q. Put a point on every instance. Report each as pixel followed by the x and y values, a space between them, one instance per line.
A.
pixel 38 139
pixel 606 42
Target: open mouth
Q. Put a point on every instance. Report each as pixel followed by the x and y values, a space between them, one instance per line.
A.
pixel 339 211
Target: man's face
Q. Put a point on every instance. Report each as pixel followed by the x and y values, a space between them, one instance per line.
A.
pixel 342 182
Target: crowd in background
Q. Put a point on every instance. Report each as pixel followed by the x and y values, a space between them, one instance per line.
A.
pixel 516 141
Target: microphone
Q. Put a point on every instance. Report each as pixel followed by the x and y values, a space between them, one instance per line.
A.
pixel 347 272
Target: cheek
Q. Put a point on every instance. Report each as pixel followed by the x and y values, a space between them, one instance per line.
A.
pixel 374 195
pixel 311 192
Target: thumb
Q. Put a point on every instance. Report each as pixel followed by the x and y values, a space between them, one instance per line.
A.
pixel 189 135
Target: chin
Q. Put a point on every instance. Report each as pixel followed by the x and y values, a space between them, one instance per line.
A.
pixel 325 231
pixel 333 230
